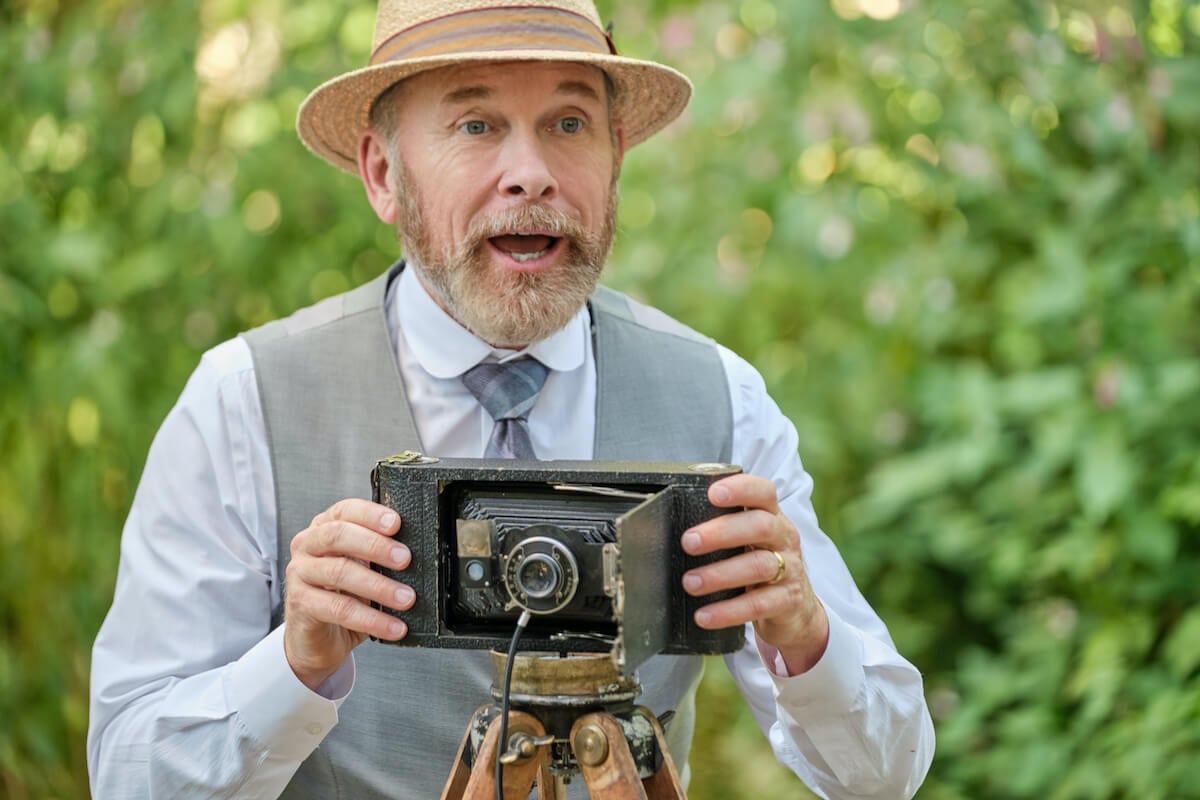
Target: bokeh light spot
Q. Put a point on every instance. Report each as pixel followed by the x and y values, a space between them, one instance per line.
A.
pixel 1044 119
pixel 730 259
pixel 63 299
pixel 818 162
pixel 327 283
pixel 732 40
pixel 77 210
pixel 925 107
pixel 835 237
pixel 758 15
pixel 880 9
pixel 1079 29
pixel 83 421
pixel 357 29
pixel 921 145
pixel 145 151
pixel 260 211
pixel 756 226
pixel 70 149
pixel 846 9
pixel 638 209
pixel 250 124
pixel 200 329
pixel 1120 23
pixel 43 137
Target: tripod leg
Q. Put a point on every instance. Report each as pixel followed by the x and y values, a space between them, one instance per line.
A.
pixel 519 775
pixel 456 784
pixel 609 771
pixel 547 784
pixel 664 784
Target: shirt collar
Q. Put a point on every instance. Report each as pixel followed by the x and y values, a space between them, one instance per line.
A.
pixel 445 349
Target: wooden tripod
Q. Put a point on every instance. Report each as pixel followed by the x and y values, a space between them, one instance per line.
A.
pixel 598 744
pixel 600 748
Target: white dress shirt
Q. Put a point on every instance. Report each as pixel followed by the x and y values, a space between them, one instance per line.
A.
pixel 192 695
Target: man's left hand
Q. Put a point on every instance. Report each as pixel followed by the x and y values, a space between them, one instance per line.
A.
pixel 779 599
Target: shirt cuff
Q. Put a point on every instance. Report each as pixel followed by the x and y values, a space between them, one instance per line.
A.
pixel 834 682
pixel 283 714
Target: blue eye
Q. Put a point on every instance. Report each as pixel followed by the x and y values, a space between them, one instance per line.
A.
pixel 570 124
pixel 474 127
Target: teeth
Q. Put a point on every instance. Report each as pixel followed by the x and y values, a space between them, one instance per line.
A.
pixel 521 258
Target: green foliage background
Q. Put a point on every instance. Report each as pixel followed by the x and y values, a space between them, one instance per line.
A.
pixel 961 241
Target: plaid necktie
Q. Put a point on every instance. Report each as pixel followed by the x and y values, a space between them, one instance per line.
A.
pixel 508 391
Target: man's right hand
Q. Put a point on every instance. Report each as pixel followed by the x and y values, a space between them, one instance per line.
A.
pixel 330 586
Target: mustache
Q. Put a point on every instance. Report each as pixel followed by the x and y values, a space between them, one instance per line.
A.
pixel 534 217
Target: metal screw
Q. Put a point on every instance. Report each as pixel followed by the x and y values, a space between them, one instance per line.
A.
pixel 522 745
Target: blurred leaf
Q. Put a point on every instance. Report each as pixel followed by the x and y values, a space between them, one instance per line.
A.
pixel 1104 472
pixel 1182 649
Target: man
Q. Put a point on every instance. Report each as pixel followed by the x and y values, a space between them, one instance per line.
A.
pixel 491 137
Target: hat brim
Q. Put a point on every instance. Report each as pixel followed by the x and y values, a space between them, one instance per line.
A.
pixel 333 118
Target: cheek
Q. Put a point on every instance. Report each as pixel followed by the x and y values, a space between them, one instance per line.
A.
pixel 449 211
pixel 589 189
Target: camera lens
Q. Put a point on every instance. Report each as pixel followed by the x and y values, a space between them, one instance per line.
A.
pixel 540 573
pixel 539 576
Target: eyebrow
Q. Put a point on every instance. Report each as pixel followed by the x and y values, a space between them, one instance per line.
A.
pixel 469 93
pixel 466 94
pixel 577 87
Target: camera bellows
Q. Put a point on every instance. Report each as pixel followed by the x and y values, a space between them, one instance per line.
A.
pixel 508 392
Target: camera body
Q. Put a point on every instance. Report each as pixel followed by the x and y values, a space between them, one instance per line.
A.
pixel 590 548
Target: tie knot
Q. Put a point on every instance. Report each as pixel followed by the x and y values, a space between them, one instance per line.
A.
pixel 508 390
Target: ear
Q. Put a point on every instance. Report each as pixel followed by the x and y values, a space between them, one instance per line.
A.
pixel 373 168
pixel 619 129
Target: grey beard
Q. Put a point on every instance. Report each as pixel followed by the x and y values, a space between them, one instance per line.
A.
pixel 520 308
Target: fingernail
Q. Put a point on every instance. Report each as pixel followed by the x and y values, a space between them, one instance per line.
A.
pixel 691 541
pixel 396 629
pixel 692 583
pixel 388 519
pixel 404 595
pixel 399 555
pixel 703 618
pixel 720 494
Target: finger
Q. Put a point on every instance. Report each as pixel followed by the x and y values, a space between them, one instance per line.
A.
pixel 750 491
pixel 349 539
pixel 761 603
pixel 746 569
pixel 750 528
pixel 374 516
pixel 350 577
pixel 344 611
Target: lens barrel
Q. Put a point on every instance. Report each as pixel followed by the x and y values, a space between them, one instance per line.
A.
pixel 541 575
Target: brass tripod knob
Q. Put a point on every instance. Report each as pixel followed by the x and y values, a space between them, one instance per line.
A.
pixel 590 745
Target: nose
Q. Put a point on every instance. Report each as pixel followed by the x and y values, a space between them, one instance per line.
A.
pixel 527 174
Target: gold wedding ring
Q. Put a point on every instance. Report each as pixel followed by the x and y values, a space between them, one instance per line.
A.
pixel 779 573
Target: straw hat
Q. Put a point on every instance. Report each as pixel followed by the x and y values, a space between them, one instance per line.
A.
pixel 413 36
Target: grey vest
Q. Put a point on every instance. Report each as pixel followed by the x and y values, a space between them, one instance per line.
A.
pixel 334 404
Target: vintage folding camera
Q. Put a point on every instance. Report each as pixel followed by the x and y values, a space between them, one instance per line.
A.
pixel 590 548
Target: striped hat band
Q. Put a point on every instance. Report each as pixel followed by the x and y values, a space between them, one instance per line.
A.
pixel 496 29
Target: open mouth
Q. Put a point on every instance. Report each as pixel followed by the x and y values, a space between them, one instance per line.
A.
pixel 524 247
